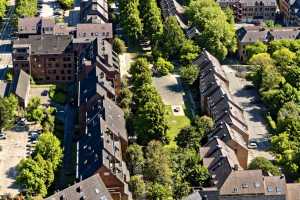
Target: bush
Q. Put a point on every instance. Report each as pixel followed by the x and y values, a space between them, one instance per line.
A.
pixel 66 4
pixel 163 66
pixel 189 74
pixel 119 46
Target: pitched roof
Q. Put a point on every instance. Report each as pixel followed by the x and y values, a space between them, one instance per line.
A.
pixel 28 25
pixel 244 182
pixel 193 196
pixel 275 185
pixel 220 160
pixel 45 44
pixel 21 84
pixel 90 188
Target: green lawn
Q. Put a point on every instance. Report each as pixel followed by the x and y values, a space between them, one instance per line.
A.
pixel 175 123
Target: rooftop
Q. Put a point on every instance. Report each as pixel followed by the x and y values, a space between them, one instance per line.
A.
pixel 90 188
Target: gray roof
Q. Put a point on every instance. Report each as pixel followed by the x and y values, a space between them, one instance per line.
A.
pixel 90 188
pixel 21 85
pixel 114 118
pixel 220 160
pixel 28 25
pixel 94 30
pixel 46 44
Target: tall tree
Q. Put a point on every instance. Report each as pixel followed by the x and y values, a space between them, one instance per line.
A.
pixel 150 13
pixel 3 7
pixel 8 111
pixel 135 159
pixel 130 19
pixel 140 73
pixel 26 8
pixel 217 35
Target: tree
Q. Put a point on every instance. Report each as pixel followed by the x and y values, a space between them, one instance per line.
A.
pixel 3 7
pixel 31 175
pixel 140 73
pixel 150 122
pixel 288 119
pixel 130 19
pixel 119 46
pixel 8 111
pixel 265 165
pixel 217 35
pixel 158 191
pixel 172 39
pixel 137 187
pixel 256 48
pixel 188 52
pixel 48 120
pixel 48 146
pixel 189 74
pixel 66 4
pixel 151 16
pixel 189 137
pixel 163 66
pixel 284 57
pixel 203 124
pixel 26 8
pixel 37 115
pixel 157 165
pixel 135 159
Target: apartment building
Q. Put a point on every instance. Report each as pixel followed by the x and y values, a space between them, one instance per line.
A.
pixel 28 26
pixel 251 10
pixel 251 35
pixel 90 188
pixel 290 12
pixel 94 11
pixel 47 58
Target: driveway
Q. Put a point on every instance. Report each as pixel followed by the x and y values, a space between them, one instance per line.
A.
pixel 170 89
pixel 13 151
pixel 254 112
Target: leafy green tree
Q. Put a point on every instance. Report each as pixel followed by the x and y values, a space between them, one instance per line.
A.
pixel 3 7
pixel 151 16
pixel 8 111
pixel 265 165
pixel 158 191
pixel 48 120
pixel 172 39
pixel 163 66
pixel 157 165
pixel 48 146
pixel 66 4
pixel 203 124
pixel 288 119
pixel 37 115
pixel 189 74
pixel 140 73
pixel 26 8
pixel 284 57
pixel 150 122
pixel 137 187
pixel 119 46
pixel 230 15
pixel 135 159
pixel 188 52
pixel 256 48
pixel 217 35
pixel 130 19
pixel 31 175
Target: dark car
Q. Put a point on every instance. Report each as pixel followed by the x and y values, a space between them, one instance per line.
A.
pixel 44 93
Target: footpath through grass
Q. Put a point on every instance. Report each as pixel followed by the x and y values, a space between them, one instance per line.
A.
pixel 175 123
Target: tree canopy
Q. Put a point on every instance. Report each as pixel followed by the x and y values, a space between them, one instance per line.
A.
pixel 217 34
pixel 26 8
pixel 8 111
pixel 265 165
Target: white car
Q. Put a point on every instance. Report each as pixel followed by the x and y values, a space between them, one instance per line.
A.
pixel 252 145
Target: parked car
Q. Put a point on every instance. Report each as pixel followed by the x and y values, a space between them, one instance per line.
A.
pixel 2 136
pixel 44 93
pixel 252 145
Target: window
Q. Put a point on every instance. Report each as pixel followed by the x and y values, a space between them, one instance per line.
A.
pixel 69 71
pixel 47 78
pixel 67 59
pixel 57 77
pixel 56 65
pixel 63 78
pixel 69 78
pixel 51 59
pixel 62 71
pixel 70 65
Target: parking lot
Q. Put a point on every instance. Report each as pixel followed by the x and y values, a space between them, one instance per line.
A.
pixel 19 144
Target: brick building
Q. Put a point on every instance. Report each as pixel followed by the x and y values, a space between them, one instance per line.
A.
pixel 290 10
pixel 251 10
pixel 47 58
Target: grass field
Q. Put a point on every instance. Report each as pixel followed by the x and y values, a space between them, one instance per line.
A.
pixel 175 123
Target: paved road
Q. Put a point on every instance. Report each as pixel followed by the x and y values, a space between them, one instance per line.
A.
pixel 254 113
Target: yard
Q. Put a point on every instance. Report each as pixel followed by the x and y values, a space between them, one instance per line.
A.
pixel 175 123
